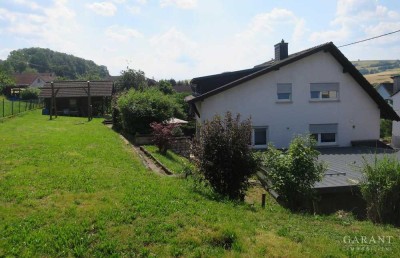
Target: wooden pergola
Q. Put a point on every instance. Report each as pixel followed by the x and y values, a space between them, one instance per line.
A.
pixel 75 89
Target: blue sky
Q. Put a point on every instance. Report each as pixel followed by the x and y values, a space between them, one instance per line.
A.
pixel 183 39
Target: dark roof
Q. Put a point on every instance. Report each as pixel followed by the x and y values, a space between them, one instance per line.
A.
pixel 66 89
pixel 344 165
pixel 25 79
pixel 182 88
pixel 385 109
pixel 208 83
pixel 388 87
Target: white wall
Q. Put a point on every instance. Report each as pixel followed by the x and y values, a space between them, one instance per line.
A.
pixel 38 82
pixel 257 98
pixel 396 125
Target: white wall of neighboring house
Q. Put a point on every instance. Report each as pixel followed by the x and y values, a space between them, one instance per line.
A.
pixel 38 82
pixel 396 125
pixel 357 115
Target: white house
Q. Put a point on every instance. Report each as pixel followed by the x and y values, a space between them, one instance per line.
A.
pixel 316 91
pixel 396 107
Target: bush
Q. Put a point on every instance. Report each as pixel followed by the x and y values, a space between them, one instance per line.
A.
pixel 381 190
pixel 223 155
pixel 162 136
pixel 385 128
pixel 30 93
pixel 294 173
pixel 137 109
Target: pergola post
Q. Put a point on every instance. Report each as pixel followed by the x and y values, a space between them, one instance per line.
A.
pixel 89 102
pixel 52 101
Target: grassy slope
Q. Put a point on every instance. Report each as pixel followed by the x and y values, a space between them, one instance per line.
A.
pixel 383 76
pixel 72 188
pixel 171 160
pixel 377 77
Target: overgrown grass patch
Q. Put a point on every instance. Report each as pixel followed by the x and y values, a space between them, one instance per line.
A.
pixel 171 160
pixel 69 187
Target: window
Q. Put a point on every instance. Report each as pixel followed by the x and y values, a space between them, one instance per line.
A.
pixel 324 91
pixel 324 134
pixel 284 91
pixel 259 137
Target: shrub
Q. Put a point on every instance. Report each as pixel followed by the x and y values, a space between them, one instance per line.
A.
pixel 223 155
pixel 386 128
pixel 381 190
pixel 162 136
pixel 140 108
pixel 294 173
pixel 165 87
pixel 30 93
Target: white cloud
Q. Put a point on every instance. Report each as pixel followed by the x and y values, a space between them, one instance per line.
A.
pixel 103 8
pixel 141 1
pixel 134 9
pixel 55 27
pixel 31 4
pixel 270 21
pixel 172 44
pixel 183 4
pixel 356 20
pixel 119 1
pixel 122 34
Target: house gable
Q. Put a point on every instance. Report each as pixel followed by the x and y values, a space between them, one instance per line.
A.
pixel 257 98
pixel 347 67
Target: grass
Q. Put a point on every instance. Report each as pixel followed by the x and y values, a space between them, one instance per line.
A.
pixel 172 161
pixel 69 187
pixel 14 107
pixel 383 76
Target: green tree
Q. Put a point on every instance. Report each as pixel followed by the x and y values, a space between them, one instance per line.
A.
pixel 137 109
pixel 131 78
pixel 165 87
pixel 223 155
pixel 294 173
pixel 5 80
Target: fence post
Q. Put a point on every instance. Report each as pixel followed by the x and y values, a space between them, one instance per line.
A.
pixel 26 105
pixel 12 108
pixel 19 106
pixel 3 107
pixel 263 200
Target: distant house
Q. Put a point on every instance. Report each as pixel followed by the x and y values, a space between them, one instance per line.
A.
pixel 316 91
pixel 28 80
pixel 77 97
pixel 386 91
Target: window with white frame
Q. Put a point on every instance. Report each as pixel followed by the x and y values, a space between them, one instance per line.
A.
pixel 324 91
pixel 324 134
pixel 259 137
pixel 284 91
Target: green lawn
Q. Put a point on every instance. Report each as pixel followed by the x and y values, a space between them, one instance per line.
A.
pixel 69 187
pixel 14 107
pixel 172 161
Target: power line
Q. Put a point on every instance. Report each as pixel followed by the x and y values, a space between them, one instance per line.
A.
pixel 370 38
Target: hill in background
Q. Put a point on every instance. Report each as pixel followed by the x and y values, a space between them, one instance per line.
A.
pixel 48 61
pixel 378 71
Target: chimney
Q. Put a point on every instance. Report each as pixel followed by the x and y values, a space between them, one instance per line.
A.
pixel 396 84
pixel 281 50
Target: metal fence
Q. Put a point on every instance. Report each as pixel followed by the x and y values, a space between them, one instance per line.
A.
pixel 10 108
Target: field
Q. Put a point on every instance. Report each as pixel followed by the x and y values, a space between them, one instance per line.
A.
pixel 73 188
pixel 377 78
pixel 378 71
